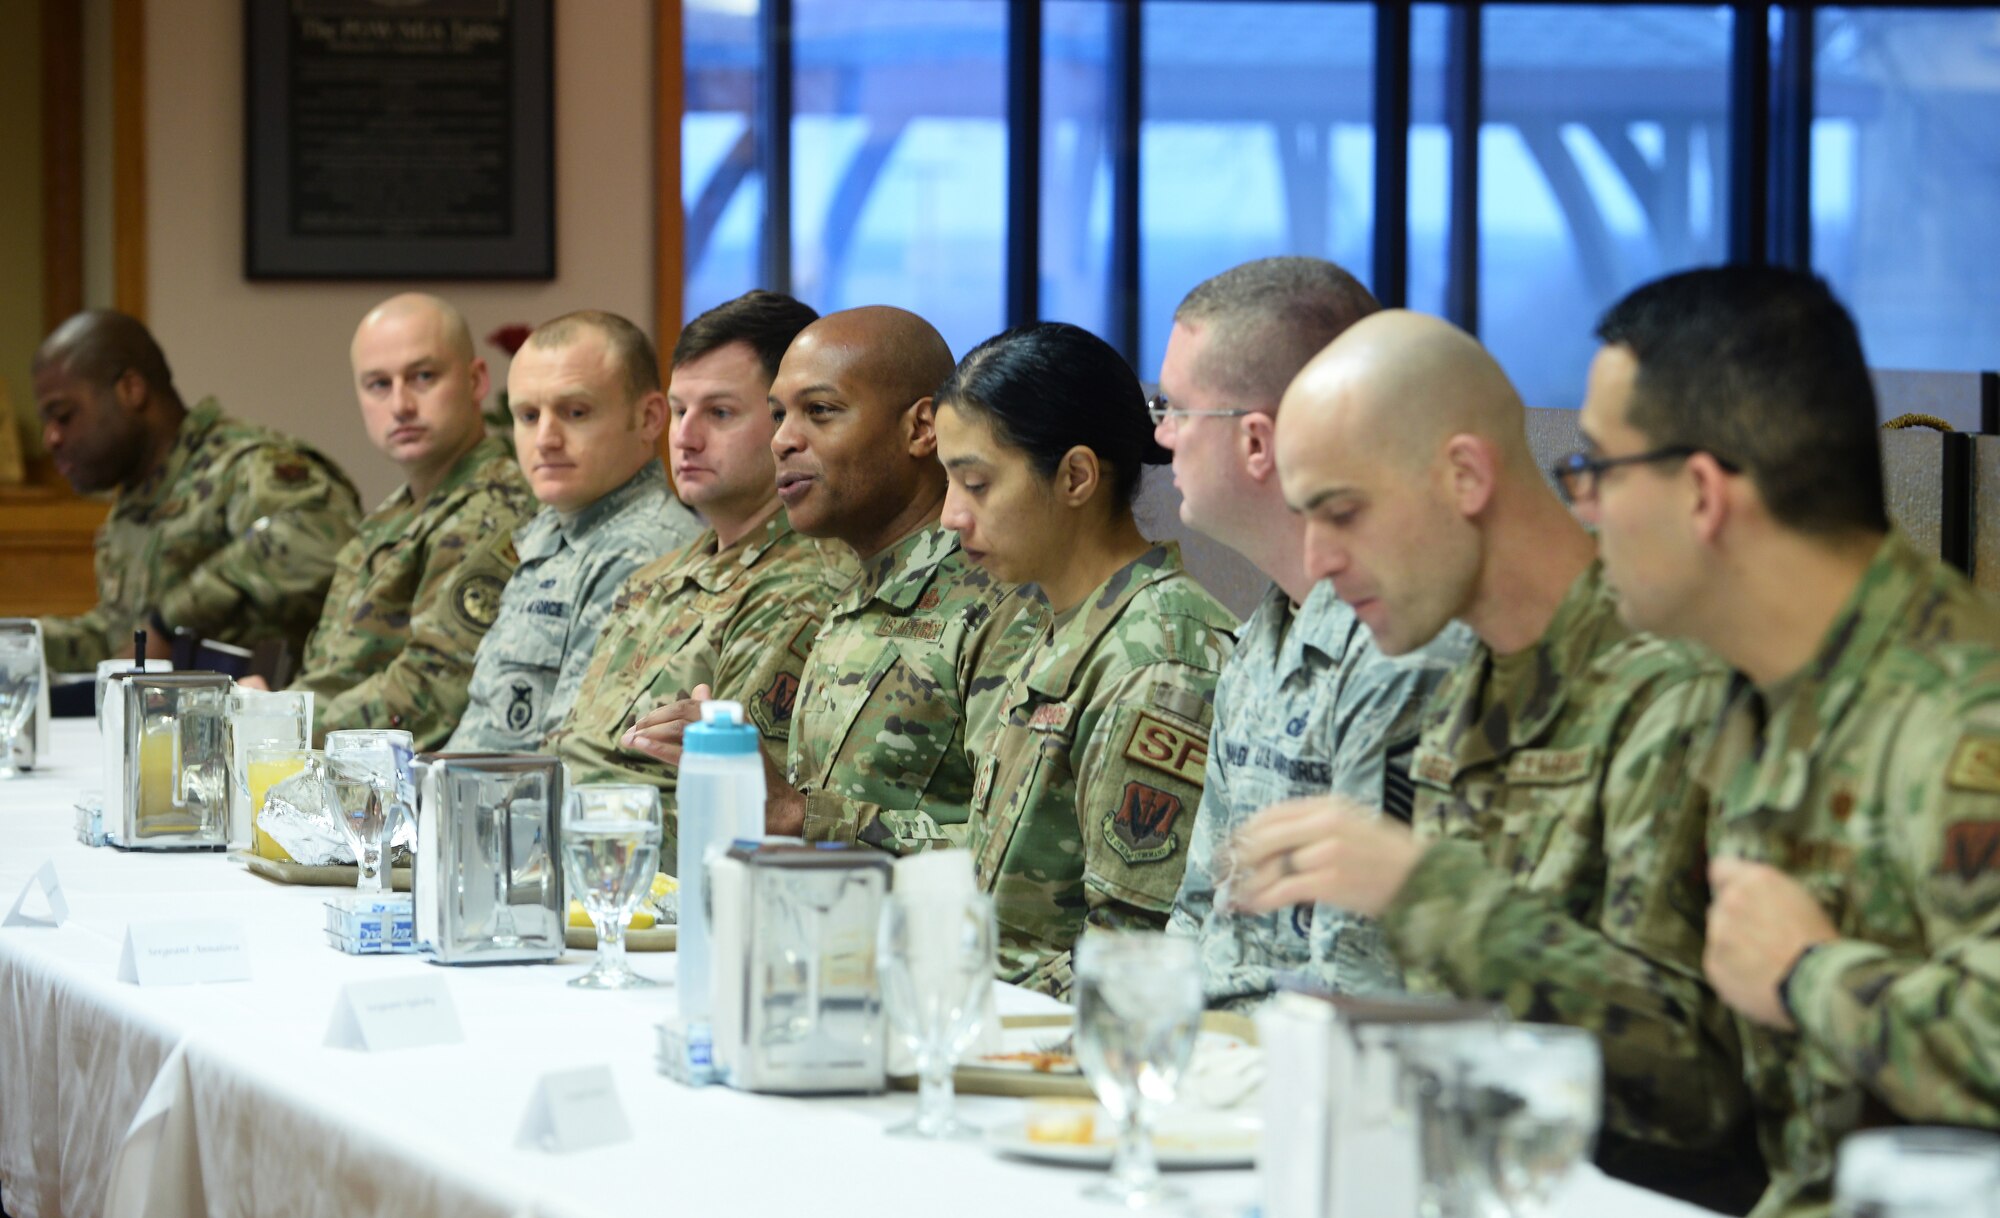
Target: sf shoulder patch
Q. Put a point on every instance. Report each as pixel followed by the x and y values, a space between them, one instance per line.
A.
pixel 1975 764
pixel 1141 828
pixel 1169 749
pixel 477 601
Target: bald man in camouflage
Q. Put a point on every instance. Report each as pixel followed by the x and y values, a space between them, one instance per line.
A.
pixel 420 584
pixel 220 526
pixel 1556 861
pixel 906 674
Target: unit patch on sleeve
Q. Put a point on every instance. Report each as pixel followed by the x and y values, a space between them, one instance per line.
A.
pixel 478 600
pixel 1141 828
pixel 783 692
pixel 1971 847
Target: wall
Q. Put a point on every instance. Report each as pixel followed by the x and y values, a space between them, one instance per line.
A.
pixel 277 352
pixel 20 202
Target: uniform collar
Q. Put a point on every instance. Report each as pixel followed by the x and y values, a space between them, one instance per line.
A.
pixel 550 529
pixel 1075 640
pixel 154 487
pixel 898 575
pixel 1576 631
pixel 1781 726
pixel 713 569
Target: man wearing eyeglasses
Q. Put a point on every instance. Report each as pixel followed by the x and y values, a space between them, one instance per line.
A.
pixel 1556 862
pixel 1734 473
pixel 1306 704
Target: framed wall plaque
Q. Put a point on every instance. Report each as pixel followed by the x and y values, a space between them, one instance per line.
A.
pixel 399 139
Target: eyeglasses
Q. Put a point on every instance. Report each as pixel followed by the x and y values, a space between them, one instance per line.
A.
pixel 1161 410
pixel 1578 473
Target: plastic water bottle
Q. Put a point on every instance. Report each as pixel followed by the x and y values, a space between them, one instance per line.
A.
pixel 721 800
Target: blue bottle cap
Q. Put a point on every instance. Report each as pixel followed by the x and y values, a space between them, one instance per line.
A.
pixel 722 731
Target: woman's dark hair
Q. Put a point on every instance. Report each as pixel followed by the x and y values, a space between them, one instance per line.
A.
pixel 1048 387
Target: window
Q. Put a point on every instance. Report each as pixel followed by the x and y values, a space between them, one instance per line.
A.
pixel 1906 181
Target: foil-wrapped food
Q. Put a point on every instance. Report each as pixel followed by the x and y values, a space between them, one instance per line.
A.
pixel 298 814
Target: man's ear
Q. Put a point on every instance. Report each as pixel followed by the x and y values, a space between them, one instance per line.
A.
pixel 920 429
pixel 652 416
pixel 1715 493
pixel 1077 476
pixel 1257 446
pixel 482 380
pixel 1472 468
pixel 130 391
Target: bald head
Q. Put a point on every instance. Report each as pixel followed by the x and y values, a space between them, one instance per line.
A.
pixel 856 446
pixel 98 346
pixel 454 337
pixel 882 352
pixel 1397 386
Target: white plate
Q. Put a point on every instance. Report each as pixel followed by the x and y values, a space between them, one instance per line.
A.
pixel 1031 1038
pixel 1180 1140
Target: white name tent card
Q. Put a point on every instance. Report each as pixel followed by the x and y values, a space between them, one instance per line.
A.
pixel 52 899
pixel 187 952
pixel 575 1110
pixel 400 1013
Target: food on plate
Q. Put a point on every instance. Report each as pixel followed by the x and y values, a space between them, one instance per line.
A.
pixel 1071 1122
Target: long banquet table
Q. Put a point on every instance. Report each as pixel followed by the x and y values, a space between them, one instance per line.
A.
pixel 256 1117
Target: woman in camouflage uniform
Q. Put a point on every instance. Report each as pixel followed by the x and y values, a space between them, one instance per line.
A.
pixel 1083 797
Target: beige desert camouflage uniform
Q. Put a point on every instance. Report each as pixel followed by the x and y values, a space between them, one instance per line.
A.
pixel 1084 799
pixel 1566 872
pixel 529 665
pixel 905 674
pixel 1305 706
pixel 740 620
pixel 233 536
pixel 415 592
pixel 1873 778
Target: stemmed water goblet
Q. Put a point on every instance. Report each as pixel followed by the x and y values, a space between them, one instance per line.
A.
pixel 1138 1011
pixel 937 962
pixel 611 846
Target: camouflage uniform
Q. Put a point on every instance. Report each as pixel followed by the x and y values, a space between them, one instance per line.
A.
pixel 904 676
pixel 1873 777
pixel 1305 706
pixel 529 665
pixel 414 593
pixel 1565 875
pixel 739 620
pixel 232 536
pixel 1083 801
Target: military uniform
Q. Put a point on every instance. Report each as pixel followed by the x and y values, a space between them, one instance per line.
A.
pixel 740 620
pixel 529 665
pixel 1305 706
pixel 1084 798
pixel 1565 875
pixel 1872 776
pixel 413 594
pixel 904 675
pixel 233 536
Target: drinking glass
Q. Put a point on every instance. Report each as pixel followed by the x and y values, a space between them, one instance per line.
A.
pixel 937 964
pixel 611 846
pixel 20 688
pixel 1138 1008
pixel 258 718
pixel 264 767
pixel 1507 1112
pixel 1918 1173
pixel 368 771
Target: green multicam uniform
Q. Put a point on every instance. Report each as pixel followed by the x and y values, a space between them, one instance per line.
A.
pixel 532 661
pixel 904 675
pixel 415 592
pixel 1307 705
pixel 1566 874
pixel 740 620
pixel 233 536
pixel 1875 782
pixel 1084 800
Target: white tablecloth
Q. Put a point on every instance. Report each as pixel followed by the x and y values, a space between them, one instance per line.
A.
pixel 272 1123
